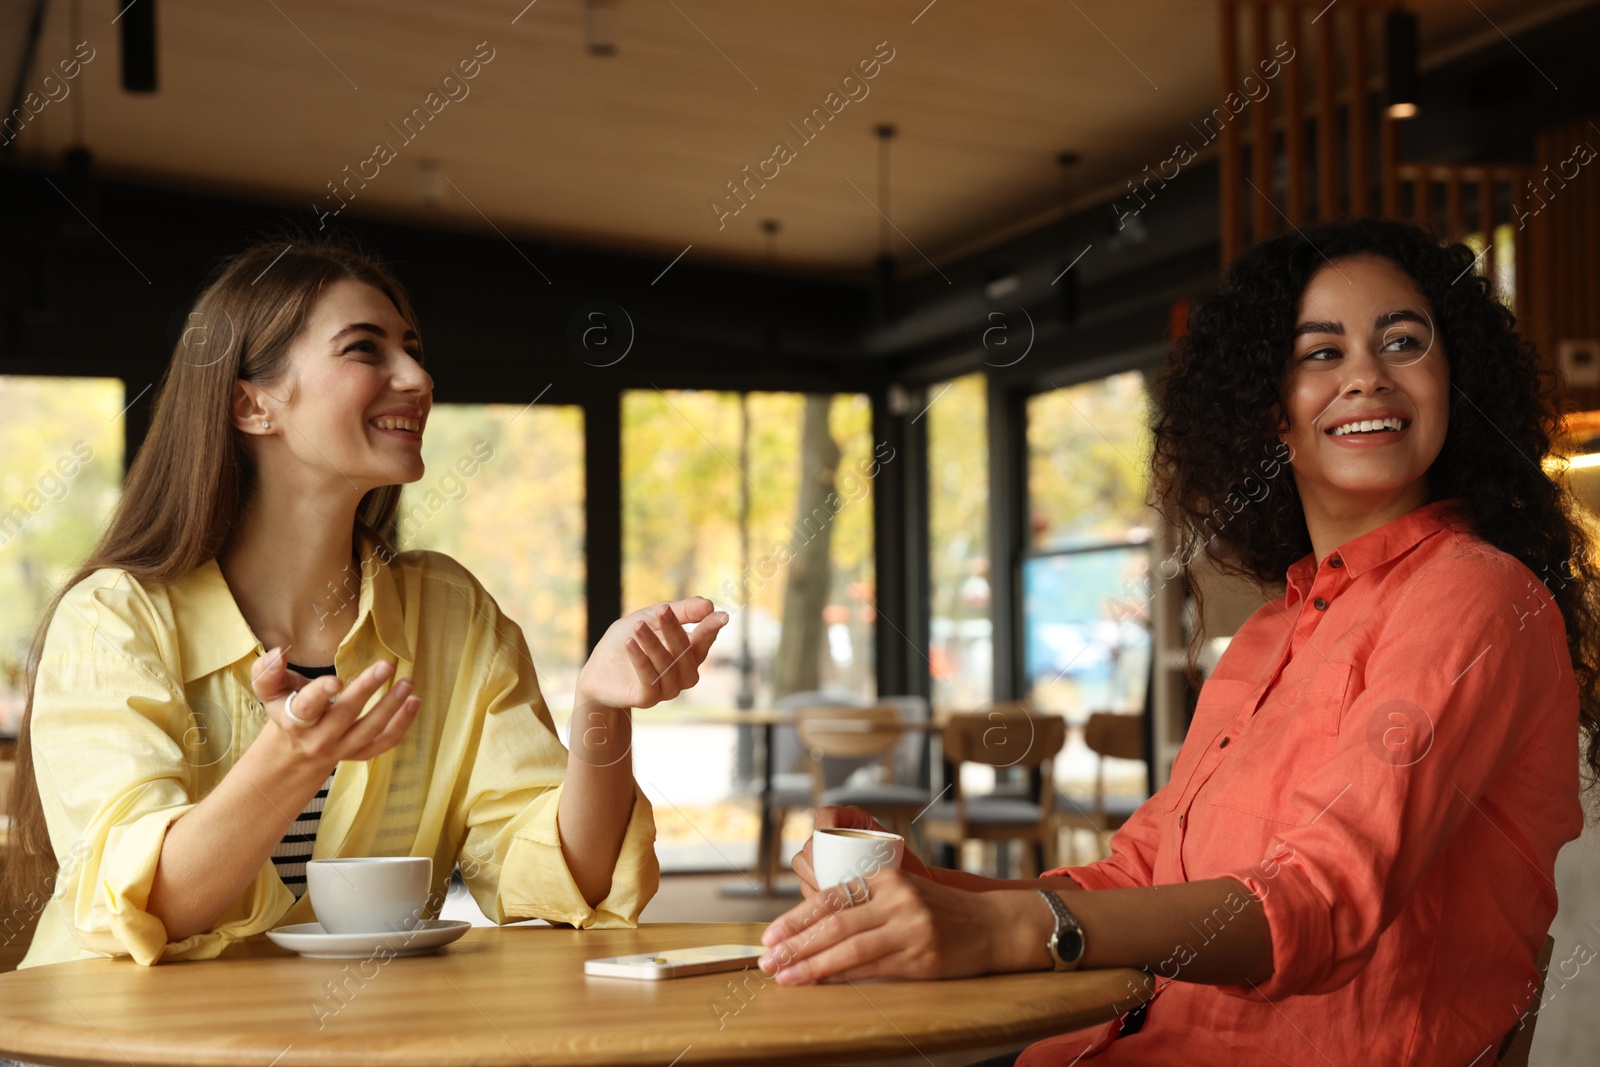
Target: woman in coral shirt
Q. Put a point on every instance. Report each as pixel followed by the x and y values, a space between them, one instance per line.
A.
pixel 1353 858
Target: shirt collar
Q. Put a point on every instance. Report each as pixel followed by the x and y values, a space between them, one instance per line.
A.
pixel 1388 542
pixel 380 597
pixel 213 633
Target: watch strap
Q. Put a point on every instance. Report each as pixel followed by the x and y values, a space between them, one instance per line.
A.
pixel 1066 943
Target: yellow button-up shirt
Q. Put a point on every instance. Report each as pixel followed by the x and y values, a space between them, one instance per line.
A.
pixel 143 702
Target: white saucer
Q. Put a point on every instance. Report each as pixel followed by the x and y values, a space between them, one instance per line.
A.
pixel 310 939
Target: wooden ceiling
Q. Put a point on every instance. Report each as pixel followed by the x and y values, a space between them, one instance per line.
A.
pixel 274 99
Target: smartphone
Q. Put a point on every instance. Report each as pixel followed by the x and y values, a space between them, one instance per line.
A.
pixel 677 962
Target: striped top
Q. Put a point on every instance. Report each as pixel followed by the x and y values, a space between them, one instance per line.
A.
pixel 290 857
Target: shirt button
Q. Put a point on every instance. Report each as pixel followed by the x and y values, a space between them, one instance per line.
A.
pixel 1320 604
pixel 1336 562
pixel 1224 743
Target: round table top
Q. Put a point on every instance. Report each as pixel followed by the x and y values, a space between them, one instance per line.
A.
pixel 517 996
pixel 771 717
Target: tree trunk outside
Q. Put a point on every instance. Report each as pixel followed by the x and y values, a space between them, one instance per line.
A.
pixel 797 664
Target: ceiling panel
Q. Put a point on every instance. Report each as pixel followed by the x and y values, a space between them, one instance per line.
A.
pixel 276 98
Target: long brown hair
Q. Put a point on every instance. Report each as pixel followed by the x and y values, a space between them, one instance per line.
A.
pixel 192 477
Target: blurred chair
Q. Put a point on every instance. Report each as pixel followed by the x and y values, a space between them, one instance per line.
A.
pixel 1519 1042
pixel 858 734
pixel 912 758
pixel 1001 737
pixel 791 775
pixel 1108 735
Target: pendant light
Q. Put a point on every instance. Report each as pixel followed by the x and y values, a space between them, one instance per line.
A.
pixel 78 183
pixel 138 46
pixel 1400 39
pixel 1067 286
pixel 769 228
pixel 884 270
pixel 600 27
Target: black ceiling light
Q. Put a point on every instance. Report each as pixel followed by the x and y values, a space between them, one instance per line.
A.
pixel 1400 37
pixel 600 27
pixel 1067 284
pixel 78 182
pixel 770 227
pixel 139 46
pixel 884 273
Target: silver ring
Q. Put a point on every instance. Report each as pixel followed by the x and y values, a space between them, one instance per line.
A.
pixel 288 709
pixel 849 891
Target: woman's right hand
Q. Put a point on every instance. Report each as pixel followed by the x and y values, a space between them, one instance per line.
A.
pixel 338 730
pixel 851 818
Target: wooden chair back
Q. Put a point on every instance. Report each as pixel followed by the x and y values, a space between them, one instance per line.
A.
pixel 849 733
pixel 1118 736
pixel 1004 737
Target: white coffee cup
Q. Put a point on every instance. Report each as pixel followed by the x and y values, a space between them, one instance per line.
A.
pixel 840 852
pixel 369 894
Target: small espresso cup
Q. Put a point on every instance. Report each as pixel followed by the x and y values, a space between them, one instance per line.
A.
pixel 369 894
pixel 839 852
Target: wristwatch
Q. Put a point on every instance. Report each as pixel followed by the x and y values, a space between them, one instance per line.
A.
pixel 1066 943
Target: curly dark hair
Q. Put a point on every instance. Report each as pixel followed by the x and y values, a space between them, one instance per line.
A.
pixel 1505 411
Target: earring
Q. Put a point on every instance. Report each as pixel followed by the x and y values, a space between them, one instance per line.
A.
pixel 265 425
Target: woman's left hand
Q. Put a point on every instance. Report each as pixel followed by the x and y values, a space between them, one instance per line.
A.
pixel 908 927
pixel 647 657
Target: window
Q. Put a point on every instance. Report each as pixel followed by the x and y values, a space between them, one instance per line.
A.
pixel 504 495
pixel 802 595
pixel 961 652
pixel 1086 574
pixel 1088 629
pixel 61 450
pixel 1504 281
pixel 684 483
pixel 1089 452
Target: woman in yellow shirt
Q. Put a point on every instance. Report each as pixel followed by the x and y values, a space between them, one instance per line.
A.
pixel 161 762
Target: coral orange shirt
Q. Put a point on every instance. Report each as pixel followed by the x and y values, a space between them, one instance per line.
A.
pixel 1387 756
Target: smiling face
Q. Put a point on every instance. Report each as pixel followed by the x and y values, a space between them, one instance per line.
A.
pixel 351 408
pixel 1367 393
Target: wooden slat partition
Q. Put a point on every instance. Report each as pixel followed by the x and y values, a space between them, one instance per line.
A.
pixel 1555 223
pixel 1294 122
pixel 1231 166
pixel 1327 124
pixel 1420 178
pixel 1486 220
pixel 1556 220
pixel 1338 113
pixel 1261 154
pixel 1359 181
pixel 1452 203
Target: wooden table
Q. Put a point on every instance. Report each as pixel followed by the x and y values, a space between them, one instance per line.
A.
pixel 517 996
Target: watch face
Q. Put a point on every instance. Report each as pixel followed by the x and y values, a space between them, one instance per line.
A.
pixel 1070 945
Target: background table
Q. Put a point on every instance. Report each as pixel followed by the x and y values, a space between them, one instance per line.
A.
pixel 516 996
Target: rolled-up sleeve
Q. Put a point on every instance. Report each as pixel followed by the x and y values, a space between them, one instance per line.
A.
pixel 1470 667
pixel 511 856
pixel 108 713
